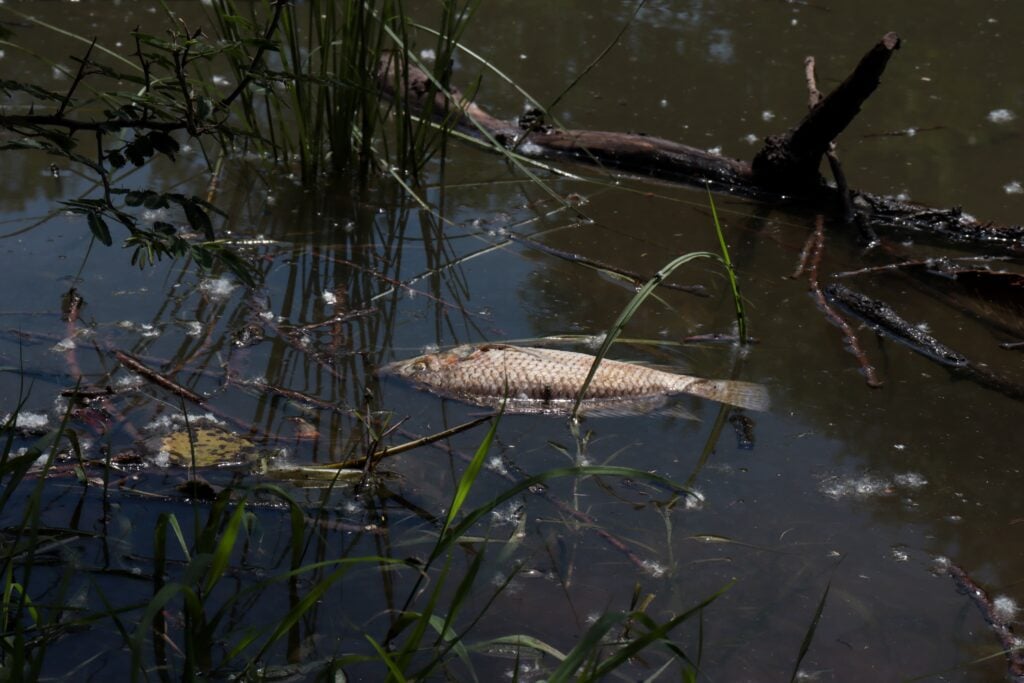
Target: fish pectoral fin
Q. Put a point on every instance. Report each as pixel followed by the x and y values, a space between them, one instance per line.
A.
pixel 679 412
pixel 622 407
pixel 747 395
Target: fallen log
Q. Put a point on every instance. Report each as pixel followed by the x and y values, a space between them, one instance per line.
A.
pixel 792 160
pixel 785 171
pixel 884 320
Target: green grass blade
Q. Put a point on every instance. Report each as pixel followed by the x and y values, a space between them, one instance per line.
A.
pixel 741 314
pixel 449 636
pixel 657 632
pixel 222 554
pixel 172 521
pixel 585 649
pixel 520 640
pixel 638 299
pixel 389 662
pixel 470 475
pixel 805 646
pixel 588 470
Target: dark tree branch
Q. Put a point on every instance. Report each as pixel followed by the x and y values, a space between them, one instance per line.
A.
pixel 814 97
pixel 82 66
pixel 792 159
pixel 795 182
pixel 884 320
pixel 13 121
pixel 257 58
pixel 1000 625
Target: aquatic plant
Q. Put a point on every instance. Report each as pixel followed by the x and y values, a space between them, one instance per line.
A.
pixel 305 94
pixel 204 577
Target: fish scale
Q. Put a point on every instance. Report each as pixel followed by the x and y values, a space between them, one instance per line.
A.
pixel 543 380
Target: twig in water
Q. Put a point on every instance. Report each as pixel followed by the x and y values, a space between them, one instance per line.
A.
pixel 805 255
pixel 936 263
pixel 999 624
pixel 408 446
pixel 716 338
pixel 637 278
pixel 340 318
pixel 290 394
pixel 157 378
pixel 851 337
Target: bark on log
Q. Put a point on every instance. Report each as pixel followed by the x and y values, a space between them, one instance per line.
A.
pixel 886 321
pixel 632 153
pixel 792 160
pixel 781 172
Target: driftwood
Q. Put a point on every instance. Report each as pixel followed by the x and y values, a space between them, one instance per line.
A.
pixel 886 321
pixel 1002 624
pixel 785 170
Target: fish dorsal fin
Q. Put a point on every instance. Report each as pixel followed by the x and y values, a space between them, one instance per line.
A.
pixel 510 348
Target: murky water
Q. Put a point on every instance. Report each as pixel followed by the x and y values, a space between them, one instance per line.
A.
pixel 849 487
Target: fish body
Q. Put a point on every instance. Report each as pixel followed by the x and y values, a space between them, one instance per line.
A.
pixel 539 380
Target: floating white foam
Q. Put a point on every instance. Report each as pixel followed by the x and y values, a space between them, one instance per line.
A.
pixel 1001 116
pixel 217 288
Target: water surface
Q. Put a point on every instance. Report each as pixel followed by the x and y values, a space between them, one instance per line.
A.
pixel 846 486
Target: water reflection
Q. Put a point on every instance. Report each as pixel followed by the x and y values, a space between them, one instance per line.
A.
pixel 847 487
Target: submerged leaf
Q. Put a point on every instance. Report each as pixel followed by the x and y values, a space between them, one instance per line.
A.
pixel 212 446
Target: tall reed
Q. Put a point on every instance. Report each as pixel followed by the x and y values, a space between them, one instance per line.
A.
pixel 315 100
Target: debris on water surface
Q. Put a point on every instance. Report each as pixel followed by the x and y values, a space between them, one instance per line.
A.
pixel 743 426
pixel 909 480
pixel 64 345
pixel 193 328
pixel 29 423
pixel 128 382
pixel 217 288
pixel 204 447
pixel 653 568
pixel 509 514
pixel 899 553
pixel 1005 608
pixel 693 500
pixel 248 335
pixel 1001 116
pixel 870 486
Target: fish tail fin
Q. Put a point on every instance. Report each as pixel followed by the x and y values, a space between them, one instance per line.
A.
pixel 733 392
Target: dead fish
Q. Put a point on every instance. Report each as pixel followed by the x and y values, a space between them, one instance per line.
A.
pixel 538 380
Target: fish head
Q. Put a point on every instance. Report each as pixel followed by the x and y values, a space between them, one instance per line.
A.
pixel 413 368
pixel 423 368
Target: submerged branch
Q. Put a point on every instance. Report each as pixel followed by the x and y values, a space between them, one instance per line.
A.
pixel 1000 625
pixel 885 320
pixel 157 378
pixel 870 373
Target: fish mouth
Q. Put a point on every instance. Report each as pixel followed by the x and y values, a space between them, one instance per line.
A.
pixel 401 368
